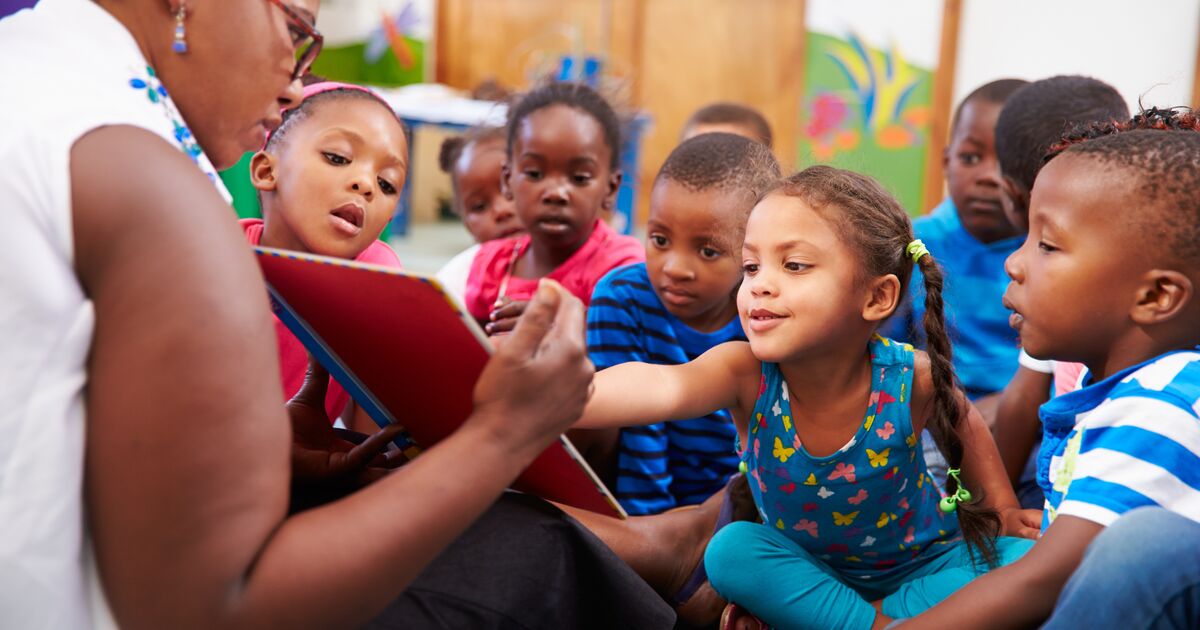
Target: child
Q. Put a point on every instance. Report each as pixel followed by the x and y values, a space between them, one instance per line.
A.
pixel 732 118
pixel 971 236
pixel 1131 436
pixel 329 179
pixel 1032 120
pixel 474 161
pixel 676 306
pixel 849 514
pixel 561 172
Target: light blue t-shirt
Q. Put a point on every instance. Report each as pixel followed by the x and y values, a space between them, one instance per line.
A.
pixel 985 346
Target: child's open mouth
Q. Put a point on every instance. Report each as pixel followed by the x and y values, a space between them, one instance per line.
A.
pixel 1016 318
pixel 762 320
pixel 348 219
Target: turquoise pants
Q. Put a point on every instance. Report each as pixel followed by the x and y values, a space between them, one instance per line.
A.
pixel 767 573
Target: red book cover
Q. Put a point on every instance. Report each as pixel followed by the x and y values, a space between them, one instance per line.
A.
pixel 407 352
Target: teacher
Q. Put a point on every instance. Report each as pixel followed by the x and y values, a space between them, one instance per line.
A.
pixel 144 463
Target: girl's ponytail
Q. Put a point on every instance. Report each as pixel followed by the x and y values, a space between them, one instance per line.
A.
pixel 979 526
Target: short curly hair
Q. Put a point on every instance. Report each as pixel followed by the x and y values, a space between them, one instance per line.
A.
pixel 1158 153
pixel 733 114
pixel 726 162
pixel 1037 115
pixel 723 161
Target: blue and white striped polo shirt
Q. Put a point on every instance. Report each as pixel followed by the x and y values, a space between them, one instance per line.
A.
pixel 1128 441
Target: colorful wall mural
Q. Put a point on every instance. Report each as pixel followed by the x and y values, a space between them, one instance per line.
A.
pixel 377 42
pixel 867 101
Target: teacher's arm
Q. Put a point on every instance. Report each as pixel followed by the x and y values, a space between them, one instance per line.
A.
pixel 187 463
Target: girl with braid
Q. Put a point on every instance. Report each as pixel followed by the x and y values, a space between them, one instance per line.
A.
pixel 828 415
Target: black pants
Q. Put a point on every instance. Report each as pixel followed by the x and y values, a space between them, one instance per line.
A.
pixel 525 564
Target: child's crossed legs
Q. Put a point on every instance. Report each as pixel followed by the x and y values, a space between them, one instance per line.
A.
pixel 779 581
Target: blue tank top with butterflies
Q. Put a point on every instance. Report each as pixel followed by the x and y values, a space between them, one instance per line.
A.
pixel 870 508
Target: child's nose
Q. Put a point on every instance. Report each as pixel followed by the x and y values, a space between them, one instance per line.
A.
pixel 361 185
pixel 760 285
pixel 989 174
pixel 676 269
pixel 556 193
pixel 1012 265
pixel 502 209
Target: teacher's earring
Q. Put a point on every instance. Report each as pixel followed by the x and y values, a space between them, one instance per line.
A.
pixel 180 45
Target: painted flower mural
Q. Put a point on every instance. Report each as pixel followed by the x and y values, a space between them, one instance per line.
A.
pixel 867 109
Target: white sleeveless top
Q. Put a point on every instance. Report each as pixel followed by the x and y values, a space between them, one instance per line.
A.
pixel 66 68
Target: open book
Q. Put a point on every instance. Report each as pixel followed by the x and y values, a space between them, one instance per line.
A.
pixel 407 352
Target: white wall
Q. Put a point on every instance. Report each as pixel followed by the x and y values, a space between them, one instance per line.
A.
pixel 875 21
pixel 1139 47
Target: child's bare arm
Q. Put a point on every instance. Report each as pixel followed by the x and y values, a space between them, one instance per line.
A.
pixel 1022 594
pixel 982 470
pixel 641 393
pixel 1017 425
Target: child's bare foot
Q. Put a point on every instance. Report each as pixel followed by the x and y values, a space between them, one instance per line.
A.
pixel 735 617
pixel 702 608
pixel 667 550
pixel 686 532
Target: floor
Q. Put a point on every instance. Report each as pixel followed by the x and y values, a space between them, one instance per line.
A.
pixel 428 246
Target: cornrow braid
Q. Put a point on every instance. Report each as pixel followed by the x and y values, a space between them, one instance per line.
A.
pixel 295 116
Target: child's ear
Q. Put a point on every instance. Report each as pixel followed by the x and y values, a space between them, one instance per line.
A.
pixel 614 184
pixel 946 158
pixel 882 299
pixel 1161 296
pixel 262 171
pixel 505 184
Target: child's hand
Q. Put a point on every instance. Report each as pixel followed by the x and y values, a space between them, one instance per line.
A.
pixel 1023 523
pixel 319 456
pixel 504 317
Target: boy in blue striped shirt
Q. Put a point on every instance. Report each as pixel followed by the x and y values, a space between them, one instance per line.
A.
pixel 677 305
pixel 1108 277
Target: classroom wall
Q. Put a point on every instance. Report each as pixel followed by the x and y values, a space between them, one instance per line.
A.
pixel 1140 48
pixel 669 57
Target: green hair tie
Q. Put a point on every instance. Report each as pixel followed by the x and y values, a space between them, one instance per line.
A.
pixel 962 495
pixel 916 250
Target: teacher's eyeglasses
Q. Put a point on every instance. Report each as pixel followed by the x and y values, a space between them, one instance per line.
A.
pixel 305 38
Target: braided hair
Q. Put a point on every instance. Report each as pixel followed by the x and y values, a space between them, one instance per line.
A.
pixel 876 227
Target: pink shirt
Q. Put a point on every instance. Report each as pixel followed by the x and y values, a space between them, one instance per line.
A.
pixel 604 251
pixel 1066 377
pixel 293 357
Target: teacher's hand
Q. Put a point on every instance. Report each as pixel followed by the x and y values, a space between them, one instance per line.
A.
pixel 539 380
